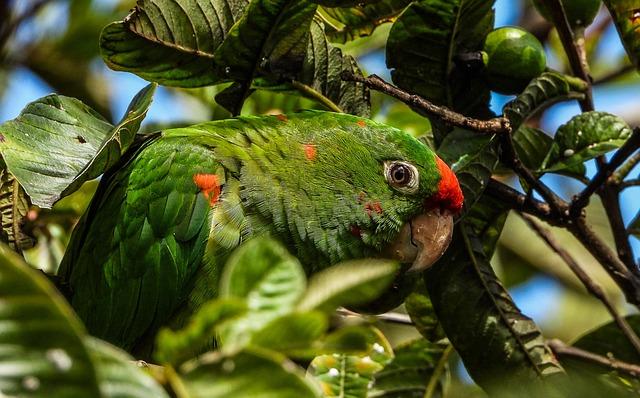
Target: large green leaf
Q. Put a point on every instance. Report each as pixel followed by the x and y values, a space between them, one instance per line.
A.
pixel 41 351
pixel 420 310
pixel 14 205
pixel 502 348
pixel 57 143
pixel 585 137
pixel 321 72
pixel 416 365
pixel 350 282
pixel 532 146
pixel 174 347
pixel 627 21
pixel 293 332
pixel 360 20
pixel 118 375
pixel 251 373
pixel 271 37
pixel 543 91
pixel 171 42
pixel 424 42
pixel 271 281
pixel 473 157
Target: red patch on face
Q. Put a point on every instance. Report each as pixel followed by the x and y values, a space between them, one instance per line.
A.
pixel 361 123
pixel 282 118
pixel 449 195
pixel 209 186
pixel 371 207
pixel 310 151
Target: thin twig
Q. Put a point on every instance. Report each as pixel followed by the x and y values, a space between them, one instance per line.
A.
pixel 630 183
pixel 592 286
pixel 310 92
pixel 519 202
pixel 441 366
pixel 561 349
pixel 492 126
pixel 14 23
pixel 626 168
pixel 391 317
pixel 626 150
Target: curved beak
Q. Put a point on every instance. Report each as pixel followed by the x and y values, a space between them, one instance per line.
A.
pixel 423 240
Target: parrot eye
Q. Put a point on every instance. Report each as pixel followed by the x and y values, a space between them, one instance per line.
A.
pixel 402 176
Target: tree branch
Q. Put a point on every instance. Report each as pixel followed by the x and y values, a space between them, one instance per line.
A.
pixel 626 168
pixel 519 202
pixel 626 150
pixel 496 125
pixel 561 349
pixel 592 286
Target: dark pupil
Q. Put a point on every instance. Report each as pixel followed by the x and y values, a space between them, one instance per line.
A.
pixel 400 174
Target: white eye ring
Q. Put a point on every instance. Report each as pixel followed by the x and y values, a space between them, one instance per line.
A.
pixel 402 176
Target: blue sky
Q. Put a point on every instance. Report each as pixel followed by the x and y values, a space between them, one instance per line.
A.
pixel 533 297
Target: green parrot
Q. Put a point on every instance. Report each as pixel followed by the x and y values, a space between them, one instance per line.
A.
pixel 150 247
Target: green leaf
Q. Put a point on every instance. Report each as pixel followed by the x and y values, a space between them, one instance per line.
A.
pixel 174 347
pixel 344 3
pixel 118 376
pixel 57 143
pixel 354 339
pixel 423 316
pixel 343 375
pixel 361 20
pixel 14 206
pixel 542 92
pixel 42 351
pixel 250 373
pixel 425 40
pixel 321 72
pixel 271 281
pixel 473 158
pixel 118 140
pixel 532 146
pixel 416 365
pixel 624 14
pixel 585 137
pixel 293 332
pixel 171 42
pixel 502 349
pixel 271 37
pixel 350 282
pixel 609 341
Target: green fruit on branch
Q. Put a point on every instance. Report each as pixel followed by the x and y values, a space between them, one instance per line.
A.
pixel 512 57
pixel 580 13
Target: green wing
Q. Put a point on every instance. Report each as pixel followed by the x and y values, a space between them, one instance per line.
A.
pixel 133 256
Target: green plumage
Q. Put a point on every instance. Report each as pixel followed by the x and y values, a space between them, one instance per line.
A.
pixel 151 246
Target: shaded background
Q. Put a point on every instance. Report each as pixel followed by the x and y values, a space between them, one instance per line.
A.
pixel 55 50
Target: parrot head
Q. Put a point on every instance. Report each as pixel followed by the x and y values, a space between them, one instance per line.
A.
pixel 355 188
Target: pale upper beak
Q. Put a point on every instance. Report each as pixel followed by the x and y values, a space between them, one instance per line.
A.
pixel 423 240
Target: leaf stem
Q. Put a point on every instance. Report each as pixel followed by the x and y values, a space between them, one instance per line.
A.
pixel 441 366
pixel 592 286
pixel 626 168
pixel 316 95
pixel 496 125
pixel 562 349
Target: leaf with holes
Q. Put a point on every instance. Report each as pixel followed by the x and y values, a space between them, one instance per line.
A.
pixel 43 354
pixel 350 23
pixel 626 17
pixel 118 375
pixel 502 349
pixel 542 92
pixel 271 281
pixel 585 137
pixel 270 39
pixel 445 30
pixel 417 366
pixel 14 206
pixel 348 283
pixel 473 157
pixel 57 143
pixel 251 373
pixel 171 42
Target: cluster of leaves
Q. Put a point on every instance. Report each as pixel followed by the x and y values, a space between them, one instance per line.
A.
pixel 254 47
